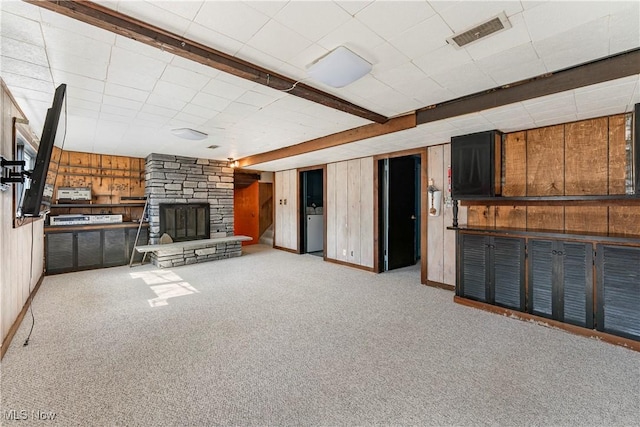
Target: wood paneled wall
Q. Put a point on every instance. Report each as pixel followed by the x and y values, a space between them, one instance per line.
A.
pixel 286 209
pixel 587 157
pixel 349 211
pixel 441 246
pixel 21 260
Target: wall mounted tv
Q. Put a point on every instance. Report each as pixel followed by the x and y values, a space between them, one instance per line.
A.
pixel 37 196
pixel 476 165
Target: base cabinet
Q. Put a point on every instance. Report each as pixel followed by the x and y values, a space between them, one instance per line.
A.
pixel 588 282
pixel 492 270
pixel 561 281
pixel 618 283
pixel 83 249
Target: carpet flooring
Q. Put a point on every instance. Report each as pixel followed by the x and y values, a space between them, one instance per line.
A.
pixel 273 338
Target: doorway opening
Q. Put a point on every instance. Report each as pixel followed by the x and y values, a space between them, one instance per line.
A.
pixel 312 212
pixel 400 211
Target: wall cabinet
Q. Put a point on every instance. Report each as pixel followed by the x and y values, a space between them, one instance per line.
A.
pixel 561 281
pixel 73 249
pixel 492 269
pixel 286 207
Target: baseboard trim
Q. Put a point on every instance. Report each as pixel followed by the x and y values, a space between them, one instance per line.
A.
pixel 14 328
pixel 348 264
pixel 543 321
pixel 293 251
pixel 440 285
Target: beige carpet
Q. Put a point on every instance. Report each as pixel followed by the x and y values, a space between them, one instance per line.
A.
pixel 273 338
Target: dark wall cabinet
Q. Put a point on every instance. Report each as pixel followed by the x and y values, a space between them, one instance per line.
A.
pixel 74 249
pixel 492 270
pixel 583 282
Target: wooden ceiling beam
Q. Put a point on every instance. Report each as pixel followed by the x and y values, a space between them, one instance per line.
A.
pixel 610 68
pixel 118 23
pixel 352 135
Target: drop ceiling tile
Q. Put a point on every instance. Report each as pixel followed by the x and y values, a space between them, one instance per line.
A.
pixel 87 95
pixel 555 17
pixel 211 102
pixel 278 41
pixel 151 13
pixel 578 45
pixel 458 80
pixel 599 112
pixel 77 111
pixel 121 102
pixel 624 29
pixel 367 87
pixel 198 111
pixel 405 73
pixel 81 82
pixel 386 56
pixel 549 102
pixel 22 29
pixel 149 119
pixel 267 7
pixel 159 111
pixel 309 55
pixel 617 104
pixel 172 90
pixel 119 118
pixel 165 101
pixel 353 6
pixel 21 81
pixel 513 65
pixel 442 59
pixel 123 77
pixel 191 119
pixel 384 19
pixel 19 8
pixel 236 81
pixel 259 58
pixel 463 15
pixel 93 67
pixel 612 89
pixel 213 39
pixel 10 65
pixel 126 92
pixel 114 110
pixel 223 89
pixel 76 43
pixel 23 51
pixel 256 99
pixel 54 19
pixel 547 114
pixel 427 91
pixel 423 38
pixel 312 19
pixel 505 40
pixel 179 63
pixel 235 19
pixel 136 63
pixel 354 35
pixel 184 9
pixel 34 95
pixel 557 120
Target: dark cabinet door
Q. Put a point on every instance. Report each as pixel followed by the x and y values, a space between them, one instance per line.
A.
pixel 89 249
pixel 561 281
pixel 492 270
pixel 114 247
pixel 143 239
pixel 618 287
pixel 60 256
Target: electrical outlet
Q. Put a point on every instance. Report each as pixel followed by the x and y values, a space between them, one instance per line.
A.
pixel 344 252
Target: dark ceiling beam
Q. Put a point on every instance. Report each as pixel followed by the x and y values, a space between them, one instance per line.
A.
pixel 610 68
pixel 118 23
pixel 352 135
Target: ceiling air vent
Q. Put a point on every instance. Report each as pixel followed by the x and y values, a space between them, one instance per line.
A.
pixel 492 26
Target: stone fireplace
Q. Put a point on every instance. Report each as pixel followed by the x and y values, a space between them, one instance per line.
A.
pixel 184 181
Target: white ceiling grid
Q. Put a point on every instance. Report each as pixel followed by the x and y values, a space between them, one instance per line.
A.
pixel 124 96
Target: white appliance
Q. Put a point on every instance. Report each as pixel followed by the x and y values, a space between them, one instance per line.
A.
pixel 314 233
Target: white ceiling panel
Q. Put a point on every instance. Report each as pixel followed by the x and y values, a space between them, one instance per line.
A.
pixel 384 19
pixel 234 19
pixel 125 96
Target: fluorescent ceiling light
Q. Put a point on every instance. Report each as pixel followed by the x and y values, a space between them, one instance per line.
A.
pixel 339 68
pixel 188 133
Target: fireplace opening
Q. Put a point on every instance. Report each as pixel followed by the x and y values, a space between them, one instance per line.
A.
pixel 185 221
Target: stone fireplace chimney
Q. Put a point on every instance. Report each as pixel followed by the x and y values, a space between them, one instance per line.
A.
pixel 185 180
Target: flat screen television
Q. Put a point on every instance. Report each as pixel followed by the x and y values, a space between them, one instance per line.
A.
pixel 476 165
pixel 39 191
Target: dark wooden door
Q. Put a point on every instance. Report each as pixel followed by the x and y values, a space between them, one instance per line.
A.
pixel 402 215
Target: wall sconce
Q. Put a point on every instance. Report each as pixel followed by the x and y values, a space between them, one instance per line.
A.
pixel 435 199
